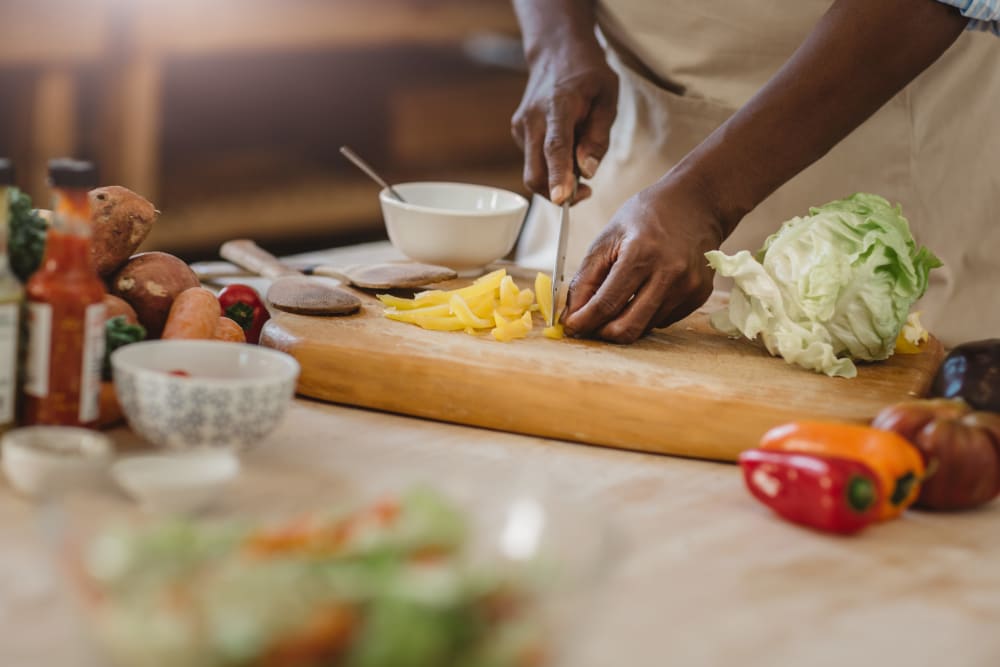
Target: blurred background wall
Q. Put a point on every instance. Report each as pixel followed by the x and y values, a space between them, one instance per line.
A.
pixel 228 114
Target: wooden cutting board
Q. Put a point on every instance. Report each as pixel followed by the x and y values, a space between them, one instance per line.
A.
pixel 687 390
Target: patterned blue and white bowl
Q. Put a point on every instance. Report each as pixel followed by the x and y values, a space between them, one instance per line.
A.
pixel 186 394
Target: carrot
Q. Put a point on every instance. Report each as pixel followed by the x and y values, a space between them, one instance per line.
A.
pixel 227 329
pixel 194 315
pixel 109 411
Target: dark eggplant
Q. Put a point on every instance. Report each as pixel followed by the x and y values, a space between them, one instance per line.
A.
pixel 971 371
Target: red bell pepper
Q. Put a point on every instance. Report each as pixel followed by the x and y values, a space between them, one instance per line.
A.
pixel 243 305
pixel 827 493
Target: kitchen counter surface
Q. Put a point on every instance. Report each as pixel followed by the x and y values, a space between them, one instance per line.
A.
pixel 702 575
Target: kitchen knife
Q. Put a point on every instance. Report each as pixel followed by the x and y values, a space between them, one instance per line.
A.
pixel 560 264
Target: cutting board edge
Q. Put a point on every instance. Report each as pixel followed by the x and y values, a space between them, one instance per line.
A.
pixel 714 439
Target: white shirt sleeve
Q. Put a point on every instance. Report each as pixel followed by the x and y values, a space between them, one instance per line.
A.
pixel 983 14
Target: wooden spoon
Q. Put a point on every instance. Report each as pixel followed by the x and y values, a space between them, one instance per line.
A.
pixel 291 291
pixel 380 276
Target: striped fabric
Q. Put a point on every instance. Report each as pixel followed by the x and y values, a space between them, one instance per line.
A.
pixel 984 14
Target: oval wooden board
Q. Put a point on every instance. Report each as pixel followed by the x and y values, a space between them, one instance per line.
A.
pixel 687 390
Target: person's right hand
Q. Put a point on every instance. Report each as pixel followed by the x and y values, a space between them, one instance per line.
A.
pixel 570 102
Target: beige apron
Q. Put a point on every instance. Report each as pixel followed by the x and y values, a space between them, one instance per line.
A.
pixel 934 148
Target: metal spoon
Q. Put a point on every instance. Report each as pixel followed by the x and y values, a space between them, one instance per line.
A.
pixel 365 167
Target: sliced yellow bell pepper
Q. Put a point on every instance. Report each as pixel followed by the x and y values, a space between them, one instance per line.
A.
pixel 912 335
pixel 555 332
pixel 509 330
pixel 493 302
pixel 461 310
pixel 512 312
pixel 525 299
pixel 434 322
pixel 508 292
pixel 478 288
pixel 399 303
pixel 483 306
pixel 543 293
pixel 414 314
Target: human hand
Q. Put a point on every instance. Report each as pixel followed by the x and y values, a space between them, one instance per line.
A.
pixel 563 123
pixel 647 269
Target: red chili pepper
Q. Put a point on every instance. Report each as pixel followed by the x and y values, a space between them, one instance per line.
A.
pixel 243 305
pixel 823 492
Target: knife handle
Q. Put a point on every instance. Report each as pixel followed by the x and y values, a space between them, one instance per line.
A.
pixel 252 257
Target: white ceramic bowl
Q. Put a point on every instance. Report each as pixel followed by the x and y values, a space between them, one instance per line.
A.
pixel 461 226
pixel 176 483
pixel 234 396
pixel 45 461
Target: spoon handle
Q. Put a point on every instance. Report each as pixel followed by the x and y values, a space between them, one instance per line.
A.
pixel 365 167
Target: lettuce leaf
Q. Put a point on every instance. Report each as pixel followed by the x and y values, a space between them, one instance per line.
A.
pixel 829 288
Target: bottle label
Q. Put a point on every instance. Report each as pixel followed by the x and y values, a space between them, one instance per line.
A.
pixel 9 333
pixel 36 367
pixel 93 359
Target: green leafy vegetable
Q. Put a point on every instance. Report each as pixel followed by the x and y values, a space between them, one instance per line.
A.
pixel 118 333
pixel 27 236
pixel 833 286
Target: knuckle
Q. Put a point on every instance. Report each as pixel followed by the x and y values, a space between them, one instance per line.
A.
pixel 618 332
pixel 688 282
pixel 675 271
pixel 535 184
pixel 517 136
pixel 555 142
pixel 605 306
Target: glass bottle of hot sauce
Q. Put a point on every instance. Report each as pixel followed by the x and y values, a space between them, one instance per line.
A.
pixel 65 310
pixel 11 296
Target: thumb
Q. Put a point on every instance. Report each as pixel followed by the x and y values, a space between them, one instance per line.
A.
pixel 595 137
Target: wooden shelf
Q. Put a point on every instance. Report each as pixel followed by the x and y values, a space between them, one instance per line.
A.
pixel 195 27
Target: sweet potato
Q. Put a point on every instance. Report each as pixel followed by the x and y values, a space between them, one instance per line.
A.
pixel 194 314
pixel 121 221
pixel 228 330
pixel 115 306
pixel 109 411
pixel 150 282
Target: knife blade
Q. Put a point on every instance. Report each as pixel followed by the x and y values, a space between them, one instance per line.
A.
pixel 560 263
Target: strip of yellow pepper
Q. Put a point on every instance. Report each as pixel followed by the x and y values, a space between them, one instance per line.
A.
pixel 460 309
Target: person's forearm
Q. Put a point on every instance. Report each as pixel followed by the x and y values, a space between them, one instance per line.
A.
pixel 555 24
pixel 857 58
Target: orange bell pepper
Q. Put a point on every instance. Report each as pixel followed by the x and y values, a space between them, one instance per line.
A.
pixel 896 462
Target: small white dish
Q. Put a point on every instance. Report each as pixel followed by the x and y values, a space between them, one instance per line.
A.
pixel 458 225
pixel 45 461
pixel 229 395
pixel 176 483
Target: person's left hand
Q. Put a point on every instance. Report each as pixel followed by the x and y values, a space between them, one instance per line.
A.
pixel 647 269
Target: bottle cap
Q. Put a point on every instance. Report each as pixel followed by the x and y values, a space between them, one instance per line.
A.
pixel 6 172
pixel 67 173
